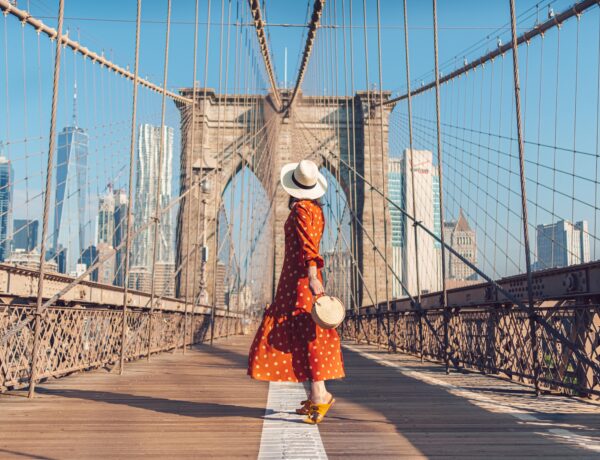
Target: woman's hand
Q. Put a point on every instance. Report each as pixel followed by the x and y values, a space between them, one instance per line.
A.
pixel 316 286
pixel 313 281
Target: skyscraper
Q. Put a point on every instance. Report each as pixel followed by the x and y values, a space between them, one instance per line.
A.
pixel 71 187
pixel 427 212
pixel 88 257
pixel 111 232
pixel 463 239
pixel 106 271
pixel 562 244
pixel 25 235
pixel 106 219
pixel 120 224
pixel 147 168
pixel 6 195
pixel 396 194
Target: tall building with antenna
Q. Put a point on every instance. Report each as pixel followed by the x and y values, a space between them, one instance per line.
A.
pixel 71 189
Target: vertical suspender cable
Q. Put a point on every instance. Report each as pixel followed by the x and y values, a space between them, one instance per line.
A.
pixel 384 173
pixel 130 200
pixel 200 254
pixel 412 171
pixel 217 198
pixel 157 206
pixel 365 121
pixel 50 164
pixel 189 172
pixel 532 314
pixel 440 186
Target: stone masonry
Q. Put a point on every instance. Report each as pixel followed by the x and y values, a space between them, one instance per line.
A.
pixel 234 131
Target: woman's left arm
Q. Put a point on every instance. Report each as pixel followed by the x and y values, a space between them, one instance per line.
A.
pixel 313 281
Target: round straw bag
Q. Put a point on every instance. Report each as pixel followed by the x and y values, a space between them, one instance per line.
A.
pixel 328 312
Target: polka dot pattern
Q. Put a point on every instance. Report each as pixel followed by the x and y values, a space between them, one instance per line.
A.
pixel 289 346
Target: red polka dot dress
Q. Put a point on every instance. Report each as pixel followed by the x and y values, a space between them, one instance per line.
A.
pixel 289 346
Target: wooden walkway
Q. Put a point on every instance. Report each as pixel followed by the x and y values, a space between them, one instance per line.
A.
pixel 202 405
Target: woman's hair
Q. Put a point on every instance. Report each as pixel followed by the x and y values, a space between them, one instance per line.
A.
pixel 293 201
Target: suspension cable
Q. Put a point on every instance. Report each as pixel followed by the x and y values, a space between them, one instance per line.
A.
pixel 50 165
pixel 259 24
pixel 539 29
pixel 131 186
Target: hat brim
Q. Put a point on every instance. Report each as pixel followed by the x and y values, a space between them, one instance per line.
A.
pixel 302 193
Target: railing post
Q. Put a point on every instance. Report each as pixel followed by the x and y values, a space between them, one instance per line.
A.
pixel 532 312
pixel 420 313
pixel 130 199
pixel 48 187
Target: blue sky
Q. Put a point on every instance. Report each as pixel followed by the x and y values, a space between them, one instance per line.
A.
pixel 468 28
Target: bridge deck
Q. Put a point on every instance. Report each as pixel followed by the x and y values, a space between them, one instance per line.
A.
pixel 202 405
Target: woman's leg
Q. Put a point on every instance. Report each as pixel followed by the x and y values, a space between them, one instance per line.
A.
pixel 318 392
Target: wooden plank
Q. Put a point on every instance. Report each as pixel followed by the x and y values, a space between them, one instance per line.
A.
pixel 423 413
pixel 198 405
pixel 202 405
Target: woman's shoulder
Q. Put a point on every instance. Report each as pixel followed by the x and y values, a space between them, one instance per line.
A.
pixel 308 206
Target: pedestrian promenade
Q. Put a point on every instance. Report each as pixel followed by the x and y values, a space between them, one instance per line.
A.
pixel 202 405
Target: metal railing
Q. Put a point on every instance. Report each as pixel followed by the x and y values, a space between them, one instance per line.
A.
pixel 488 332
pixel 81 338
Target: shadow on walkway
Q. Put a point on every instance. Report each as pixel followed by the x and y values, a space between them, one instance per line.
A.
pixel 23 454
pixel 380 406
pixel 163 405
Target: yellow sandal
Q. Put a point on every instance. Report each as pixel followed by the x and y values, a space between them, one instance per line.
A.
pixel 305 409
pixel 318 411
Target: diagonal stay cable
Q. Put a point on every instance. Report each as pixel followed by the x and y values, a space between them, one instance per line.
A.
pixel 542 321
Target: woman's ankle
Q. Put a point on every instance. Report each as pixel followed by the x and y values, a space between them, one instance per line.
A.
pixel 322 398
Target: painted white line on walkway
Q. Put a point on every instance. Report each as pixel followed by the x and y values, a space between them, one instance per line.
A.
pixel 487 402
pixel 284 435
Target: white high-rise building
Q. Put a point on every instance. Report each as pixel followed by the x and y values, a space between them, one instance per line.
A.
pixel 562 244
pixel 147 167
pixel 403 230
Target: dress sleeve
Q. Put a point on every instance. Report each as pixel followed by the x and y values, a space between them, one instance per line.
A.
pixel 309 236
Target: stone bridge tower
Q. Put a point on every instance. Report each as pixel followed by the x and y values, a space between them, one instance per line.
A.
pixel 340 134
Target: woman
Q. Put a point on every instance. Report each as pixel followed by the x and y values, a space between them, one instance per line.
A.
pixel 289 346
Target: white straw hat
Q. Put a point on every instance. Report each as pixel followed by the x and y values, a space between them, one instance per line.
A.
pixel 303 180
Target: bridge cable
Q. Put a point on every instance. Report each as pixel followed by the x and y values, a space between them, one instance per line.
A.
pixel 412 169
pixel 441 188
pixel 46 211
pixel 189 172
pixel 533 314
pixel 130 193
pixel 383 158
pixel 157 205
pixel 366 119
pixel 310 39
pixel 264 48
pixel 539 29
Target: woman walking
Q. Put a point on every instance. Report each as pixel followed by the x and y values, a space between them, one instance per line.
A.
pixel 289 346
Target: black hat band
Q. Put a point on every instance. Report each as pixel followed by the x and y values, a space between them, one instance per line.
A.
pixel 298 184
